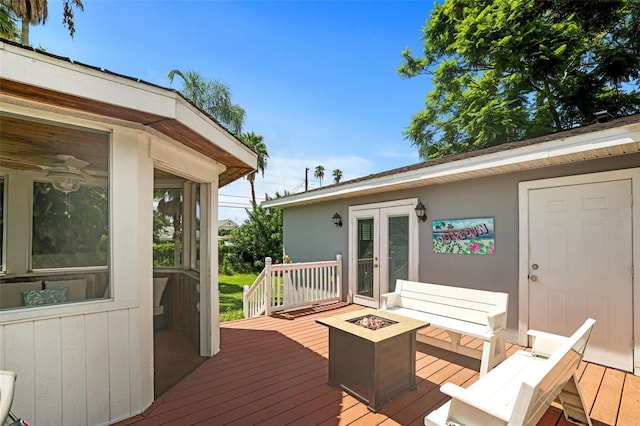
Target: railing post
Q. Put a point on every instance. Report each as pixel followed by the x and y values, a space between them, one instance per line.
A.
pixel 245 302
pixel 267 287
pixel 339 276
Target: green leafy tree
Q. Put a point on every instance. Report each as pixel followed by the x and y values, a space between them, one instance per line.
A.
pixel 256 143
pixel 212 97
pixel 170 210
pixel 319 173
pixel 260 236
pixel 34 12
pixel 504 70
pixel 337 175
pixel 8 28
pixel 70 230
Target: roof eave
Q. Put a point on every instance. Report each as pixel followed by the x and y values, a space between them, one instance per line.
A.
pixel 45 78
pixel 563 150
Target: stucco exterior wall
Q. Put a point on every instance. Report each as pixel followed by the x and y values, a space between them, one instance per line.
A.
pixel 310 235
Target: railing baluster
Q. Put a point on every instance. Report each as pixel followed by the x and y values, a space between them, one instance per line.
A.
pixel 287 286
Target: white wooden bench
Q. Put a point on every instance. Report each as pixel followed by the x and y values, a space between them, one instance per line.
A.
pixel 460 311
pixel 520 390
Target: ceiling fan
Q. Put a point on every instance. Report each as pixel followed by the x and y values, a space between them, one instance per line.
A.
pixel 66 173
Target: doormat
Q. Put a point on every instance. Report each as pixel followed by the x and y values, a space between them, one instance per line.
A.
pixel 296 313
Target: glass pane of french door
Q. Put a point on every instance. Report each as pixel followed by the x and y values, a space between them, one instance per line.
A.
pixel 398 250
pixel 365 257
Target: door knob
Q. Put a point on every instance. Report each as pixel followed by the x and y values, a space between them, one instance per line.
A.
pixel 533 277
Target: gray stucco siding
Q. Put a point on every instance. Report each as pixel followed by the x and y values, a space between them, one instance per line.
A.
pixel 310 235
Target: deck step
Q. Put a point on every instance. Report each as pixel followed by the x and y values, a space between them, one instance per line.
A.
pixel 300 312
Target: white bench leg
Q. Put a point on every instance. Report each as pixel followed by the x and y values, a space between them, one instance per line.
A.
pixel 493 353
pixel 573 403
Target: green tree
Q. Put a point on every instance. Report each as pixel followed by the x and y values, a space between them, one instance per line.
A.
pixel 170 206
pixel 337 175
pixel 8 28
pixel 211 96
pixel 260 236
pixel 256 143
pixel 319 173
pixel 35 12
pixel 504 70
pixel 69 230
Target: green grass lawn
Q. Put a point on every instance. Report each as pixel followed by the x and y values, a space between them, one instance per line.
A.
pixel 231 295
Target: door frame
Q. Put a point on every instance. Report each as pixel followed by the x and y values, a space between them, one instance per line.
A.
pixel 523 265
pixel 408 205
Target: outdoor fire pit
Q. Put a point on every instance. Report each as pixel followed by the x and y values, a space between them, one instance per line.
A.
pixel 372 354
pixel 372 322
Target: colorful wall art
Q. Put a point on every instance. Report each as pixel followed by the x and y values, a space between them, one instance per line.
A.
pixel 464 236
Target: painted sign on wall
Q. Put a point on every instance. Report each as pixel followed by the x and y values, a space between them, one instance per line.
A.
pixel 464 236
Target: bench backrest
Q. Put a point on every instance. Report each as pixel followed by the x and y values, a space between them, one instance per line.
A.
pixel 456 302
pixel 542 387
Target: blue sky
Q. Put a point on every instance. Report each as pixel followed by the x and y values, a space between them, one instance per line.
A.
pixel 317 78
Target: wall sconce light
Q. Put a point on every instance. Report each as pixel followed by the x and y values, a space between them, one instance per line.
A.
pixel 421 211
pixel 337 220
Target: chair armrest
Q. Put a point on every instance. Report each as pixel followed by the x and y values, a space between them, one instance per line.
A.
pixel 389 300
pixel 497 319
pixel 545 344
pixel 475 402
pixel 7 387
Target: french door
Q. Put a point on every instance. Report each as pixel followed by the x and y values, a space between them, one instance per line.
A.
pixel 383 247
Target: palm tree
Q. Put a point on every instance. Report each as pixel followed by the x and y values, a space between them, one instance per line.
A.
pixel 255 142
pixel 337 175
pixel 35 12
pixel 170 205
pixel 8 28
pixel 212 97
pixel 319 173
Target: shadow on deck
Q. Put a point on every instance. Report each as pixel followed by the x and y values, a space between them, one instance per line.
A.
pixel 273 371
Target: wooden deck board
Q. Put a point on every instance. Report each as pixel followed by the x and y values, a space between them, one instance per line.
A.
pixel 273 371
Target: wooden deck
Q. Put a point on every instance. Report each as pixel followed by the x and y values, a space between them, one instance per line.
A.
pixel 273 371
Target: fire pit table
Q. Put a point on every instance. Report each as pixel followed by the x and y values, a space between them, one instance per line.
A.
pixel 372 354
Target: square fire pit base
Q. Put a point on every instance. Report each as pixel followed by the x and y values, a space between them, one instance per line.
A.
pixel 372 365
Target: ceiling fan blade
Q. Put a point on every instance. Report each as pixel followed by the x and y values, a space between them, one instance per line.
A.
pixel 87 177
pixel 75 163
pixel 20 164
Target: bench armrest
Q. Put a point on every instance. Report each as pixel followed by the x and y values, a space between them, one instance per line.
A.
pixel 389 300
pixel 474 401
pixel 497 319
pixel 545 344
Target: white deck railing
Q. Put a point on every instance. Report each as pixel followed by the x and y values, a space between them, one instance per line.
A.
pixel 286 286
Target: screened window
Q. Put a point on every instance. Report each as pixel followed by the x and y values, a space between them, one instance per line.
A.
pixel 54 213
pixel 2 222
pixel 168 232
pixel 70 229
pixel 196 251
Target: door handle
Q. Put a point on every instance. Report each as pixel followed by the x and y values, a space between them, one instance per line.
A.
pixel 533 277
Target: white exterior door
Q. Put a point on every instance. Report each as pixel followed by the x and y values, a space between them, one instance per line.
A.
pixel 580 266
pixel 383 248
